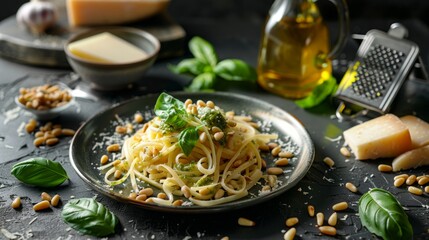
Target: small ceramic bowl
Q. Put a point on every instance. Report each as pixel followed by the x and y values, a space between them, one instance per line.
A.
pixel 50 113
pixel 112 76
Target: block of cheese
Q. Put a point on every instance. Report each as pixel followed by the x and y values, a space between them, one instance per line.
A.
pixel 419 130
pixel 111 12
pixel 385 136
pixel 411 159
pixel 106 48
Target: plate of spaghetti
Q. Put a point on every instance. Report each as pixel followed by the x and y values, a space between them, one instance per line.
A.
pixel 192 152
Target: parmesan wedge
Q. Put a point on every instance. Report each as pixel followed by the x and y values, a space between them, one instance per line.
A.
pixel 419 130
pixel 382 137
pixel 411 159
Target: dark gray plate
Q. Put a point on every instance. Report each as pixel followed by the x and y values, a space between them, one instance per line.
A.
pixel 85 157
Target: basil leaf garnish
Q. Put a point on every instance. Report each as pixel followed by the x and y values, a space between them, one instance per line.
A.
pixel 192 65
pixel 235 70
pixel 171 110
pixel 40 172
pixel 319 93
pixel 384 216
pixel 203 50
pixel 89 217
pixel 188 139
pixel 204 81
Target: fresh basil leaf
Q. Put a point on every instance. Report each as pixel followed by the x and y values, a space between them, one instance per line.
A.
pixel 319 93
pixel 171 110
pixel 203 51
pixel 235 70
pixel 188 139
pixel 89 217
pixel 40 172
pixel 384 216
pixel 204 81
pixel 192 66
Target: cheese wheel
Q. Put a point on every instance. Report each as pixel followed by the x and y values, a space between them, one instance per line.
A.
pixel 382 137
pixel 111 12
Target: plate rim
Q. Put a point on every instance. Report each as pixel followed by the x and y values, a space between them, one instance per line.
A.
pixel 194 208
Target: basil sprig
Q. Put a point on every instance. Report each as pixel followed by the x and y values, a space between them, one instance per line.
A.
pixel 384 216
pixel 40 172
pixel 88 216
pixel 206 68
pixel 188 139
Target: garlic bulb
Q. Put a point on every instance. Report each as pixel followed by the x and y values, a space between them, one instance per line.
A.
pixel 37 15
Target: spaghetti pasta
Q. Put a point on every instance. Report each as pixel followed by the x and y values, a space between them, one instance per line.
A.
pixel 193 147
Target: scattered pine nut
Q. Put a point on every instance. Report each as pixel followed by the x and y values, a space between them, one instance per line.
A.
pixel 104 159
pixel 275 152
pixel 161 195
pixel 292 221
pixel 218 136
pixel 219 194
pixel 384 168
pixel 52 141
pixel 351 187
pixel 274 171
pixel 117 174
pixel 345 152
pixel 132 195
pixel 328 161
pixel 285 154
pixel 67 132
pixel 16 203
pixel 415 190
pixel 320 218
pixel 41 205
pixel 121 129
pixel 332 220
pixel 178 203
pixel 147 191
pixel 39 141
pixel 45 196
pixel 282 162
pixel 401 176
pixel 113 148
pixel 138 118
pixel 272 145
pixel 423 180
pixel 340 206
pixel 399 182
pixel 290 234
pixel 427 189
pixel 55 200
pixel 210 104
pixel 411 179
pixel 246 222
pixel 310 209
pixel 141 197
pixel 186 191
pixel 328 230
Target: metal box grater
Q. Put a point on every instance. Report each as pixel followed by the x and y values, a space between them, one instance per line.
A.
pixel 382 64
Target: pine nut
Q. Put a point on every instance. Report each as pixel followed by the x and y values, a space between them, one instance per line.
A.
pixel 39 141
pixel 351 187
pixel 427 189
pixel 121 129
pixel 113 148
pixel 274 171
pixel 218 136
pixel 264 148
pixel 67 132
pixel 231 123
pixel 132 195
pixel 310 209
pixel 117 174
pixel 384 168
pixel 210 104
pixel 52 141
pixel 186 191
pixel 138 118
pixel 328 230
pixel 216 129
pixel 246 222
pixel 275 152
pixel 411 179
pixel 328 161
pixel 272 145
pixel 282 162
pixel 219 194
pixel 161 195
pixel 56 132
pixel 147 191
pixel 401 176
pixel 178 203
pixel 41 205
pixel 345 152
pixel 45 196
pixel 203 137
pixel 292 221
pixel 149 200
pixel 141 197
pixel 104 159
pixel 423 180
pixel 116 163
pixel 320 218
pixel 340 206
pixel 399 182
pixel 415 190
pixel 290 234
pixel 272 180
pixel 16 203
pixel 188 102
pixel 39 134
pixel 55 200
pixel 332 220
pixel 204 191
pixel 285 154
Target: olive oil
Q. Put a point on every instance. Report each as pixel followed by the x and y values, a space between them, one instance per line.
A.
pixel 293 53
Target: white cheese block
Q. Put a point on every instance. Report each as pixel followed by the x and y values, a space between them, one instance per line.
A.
pixel 106 48
pixel 382 137
pixel 111 12
pixel 419 130
pixel 411 159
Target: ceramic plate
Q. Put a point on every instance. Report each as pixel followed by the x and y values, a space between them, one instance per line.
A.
pixel 90 141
